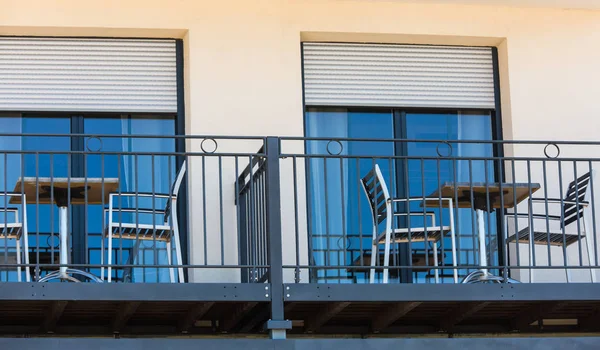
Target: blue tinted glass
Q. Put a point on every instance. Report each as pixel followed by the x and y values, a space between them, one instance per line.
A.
pixel 338 231
pixel 150 172
pixel 426 176
pixel 144 173
pixel 42 219
pixel 340 219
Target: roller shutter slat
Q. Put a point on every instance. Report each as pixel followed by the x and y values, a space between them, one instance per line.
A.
pixel 88 75
pixel 398 75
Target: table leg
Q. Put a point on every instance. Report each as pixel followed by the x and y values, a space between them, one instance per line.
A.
pixel 482 247
pixel 64 238
pixel 453 238
pixel 64 272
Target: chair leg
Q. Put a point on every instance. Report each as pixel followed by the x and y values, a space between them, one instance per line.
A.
pixel 453 238
pixel 374 254
pixel 169 262
pixel 18 248
pixel 102 256
pixel 590 260
pixel 566 261
pixel 386 253
pixel 530 259
pixel 109 255
pixel 178 256
pixel 386 260
pixel 436 263
pixel 25 237
pixel 588 247
pixel 175 236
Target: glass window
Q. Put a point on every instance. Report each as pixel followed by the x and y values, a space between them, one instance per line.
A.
pixel 338 231
pixel 340 222
pixel 427 175
pixel 138 170
pixel 40 156
pixel 42 219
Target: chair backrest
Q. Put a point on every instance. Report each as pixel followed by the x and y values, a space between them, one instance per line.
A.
pixel 175 190
pixel 577 195
pixel 179 179
pixel 377 192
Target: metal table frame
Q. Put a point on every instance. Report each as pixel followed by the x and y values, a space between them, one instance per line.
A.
pixel 477 196
pixel 64 192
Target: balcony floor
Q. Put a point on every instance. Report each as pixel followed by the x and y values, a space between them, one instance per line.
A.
pixel 209 309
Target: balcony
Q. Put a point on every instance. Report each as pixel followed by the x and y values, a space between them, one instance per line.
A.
pixel 246 235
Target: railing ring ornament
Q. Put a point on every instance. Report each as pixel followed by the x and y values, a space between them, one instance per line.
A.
pixel 204 149
pixel 332 153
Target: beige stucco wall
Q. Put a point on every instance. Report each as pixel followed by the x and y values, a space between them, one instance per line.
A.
pixel 243 69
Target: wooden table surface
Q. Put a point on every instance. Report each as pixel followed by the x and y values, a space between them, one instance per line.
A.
pixel 97 189
pixel 505 195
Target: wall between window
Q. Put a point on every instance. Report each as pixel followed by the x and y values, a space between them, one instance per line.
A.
pixel 243 63
pixel 249 53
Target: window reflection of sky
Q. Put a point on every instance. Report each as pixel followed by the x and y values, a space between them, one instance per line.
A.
pixel 144 173
pixel 340 220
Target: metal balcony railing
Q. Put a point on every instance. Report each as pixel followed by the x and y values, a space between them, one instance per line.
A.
pixel 123 208
pixel 140 208
pixel 458 211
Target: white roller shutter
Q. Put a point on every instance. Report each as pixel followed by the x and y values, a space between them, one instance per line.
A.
pixel 398 75
pixel 98 75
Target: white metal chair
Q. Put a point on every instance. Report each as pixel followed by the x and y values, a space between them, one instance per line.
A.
pixel 576 208
pixel 382 209
pixel 17 230
pixel 167 231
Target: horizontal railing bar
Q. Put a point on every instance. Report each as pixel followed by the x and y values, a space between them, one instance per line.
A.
pixel 182 154
pixel 432 267
pixel 382 157
pixel 359 139
pixel 141 136
pixel 141 266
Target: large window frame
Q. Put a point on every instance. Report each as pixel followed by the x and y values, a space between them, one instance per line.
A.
pixel 497 149
pixel 78 243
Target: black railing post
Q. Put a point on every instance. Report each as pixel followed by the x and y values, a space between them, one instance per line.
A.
pixel 276 325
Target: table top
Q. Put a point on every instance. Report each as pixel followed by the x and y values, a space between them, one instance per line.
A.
pixel 477 194
pixel 96 189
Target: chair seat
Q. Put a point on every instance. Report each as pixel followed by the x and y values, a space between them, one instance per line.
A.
pixel 420 261
pixel 543 237
pixel 416 234
pixel 11 230
pixel 147 232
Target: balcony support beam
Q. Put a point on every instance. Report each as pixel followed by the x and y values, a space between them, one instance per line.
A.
pixel 126 310
pixel 53 315
pixel 389 315
pixel 236 316
pixel 461 313
pixel 534 313
pixel 260 315
pixel 329 311
pixel 195 313
pixel 591 322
